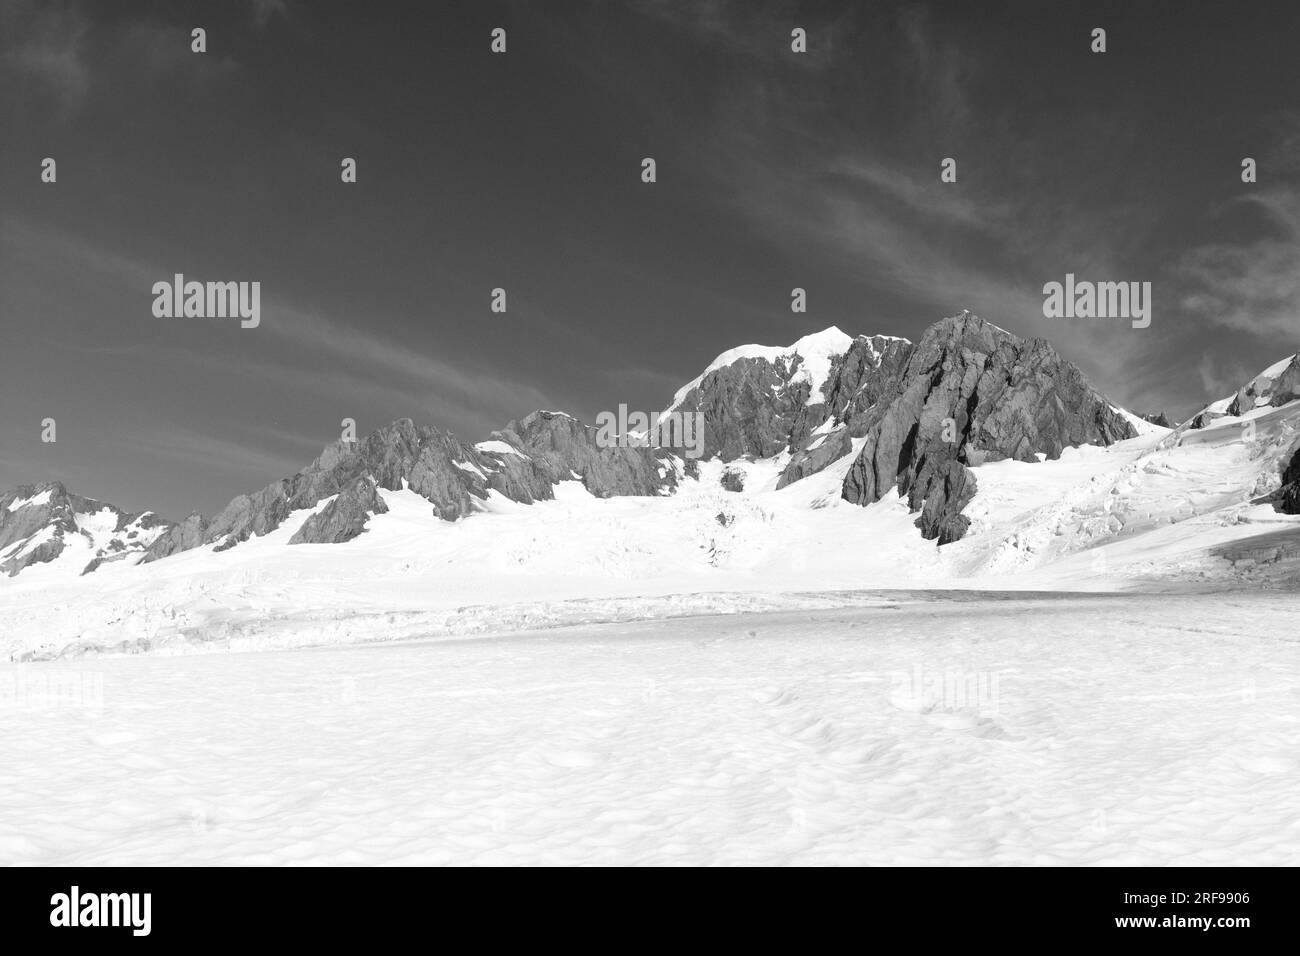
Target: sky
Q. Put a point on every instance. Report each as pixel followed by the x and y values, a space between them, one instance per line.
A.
pixel 522 170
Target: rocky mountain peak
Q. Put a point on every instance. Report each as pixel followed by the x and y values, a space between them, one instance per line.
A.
pixel 758 401
pixel 344 486
pixel 920 414
pixel 972 392
pixel 45 522
pixel 1275 386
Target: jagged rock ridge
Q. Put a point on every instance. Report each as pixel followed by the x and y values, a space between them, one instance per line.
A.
pixel 1273 387
pixel 970 393
pixel 522 462
pixel 758 402
pixel 1289 493
pixel 40 523
pixel 923 413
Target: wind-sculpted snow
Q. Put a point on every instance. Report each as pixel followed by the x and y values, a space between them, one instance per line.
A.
pixel 940 729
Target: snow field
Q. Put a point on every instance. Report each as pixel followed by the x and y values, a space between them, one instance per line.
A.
pixel 935 729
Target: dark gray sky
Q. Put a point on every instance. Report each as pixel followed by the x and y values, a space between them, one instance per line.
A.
pixel 523 171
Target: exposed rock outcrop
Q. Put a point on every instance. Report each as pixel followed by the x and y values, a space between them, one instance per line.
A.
pixel 758 401
pixel 819 453
pixel 972 393
pixel 179 537
pixel 921 415
pixel 41 523
pixel 523 462
pixel 1289 494
pixel 449 474
pixel 345 517
pixel 563 448
pixel 1273 387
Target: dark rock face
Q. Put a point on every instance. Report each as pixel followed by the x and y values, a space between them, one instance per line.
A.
pixel 179 537
pixel 343 518
pixel 1289 494
pixel 561 448
pixel 951 488
pixel 972 393
pixel 1157 418
pixel 39 522
pixel 751 407
pixel 523 462
pixel 733 480
pixel 922 413
pixel 1276 391
pixel 868 372
pixel 759 407
pixel 434 464
pixel 817 456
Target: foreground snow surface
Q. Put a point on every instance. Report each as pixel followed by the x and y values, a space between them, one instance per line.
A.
pixel 939 728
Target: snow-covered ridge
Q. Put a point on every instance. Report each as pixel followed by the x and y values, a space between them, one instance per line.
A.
pixel 1139 423
pixel 1168 510
pixel 43 498
pixel 1276 385
pixel 816 351
pixel 1276 369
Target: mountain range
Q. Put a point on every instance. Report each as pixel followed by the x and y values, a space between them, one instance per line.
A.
pixel 997 395
pixel 992 451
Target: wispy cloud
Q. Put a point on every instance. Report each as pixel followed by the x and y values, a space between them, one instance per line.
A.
pixel 364 362
pixel 748 28
pixel 462 384
pixel 61 54
pixel 263 11
pixel 246 459
pixel 1252 287
pixel 50 245
pixel 872 209
pixel 43 51
pixel 925 197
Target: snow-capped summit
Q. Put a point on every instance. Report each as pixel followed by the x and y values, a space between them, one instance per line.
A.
pixel 813 477
pixel 803 407
pixel 45 524
pixel 969 393
pixel 1272 388
pixel 759 401
pixel 808 361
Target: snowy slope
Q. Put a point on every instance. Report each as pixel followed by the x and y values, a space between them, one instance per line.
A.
pixel 1145 512
pixel 939 729
pixel 1152 512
